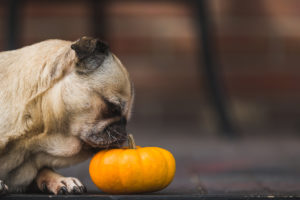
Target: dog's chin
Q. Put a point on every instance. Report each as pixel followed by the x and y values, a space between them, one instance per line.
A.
pixel 106 145
pixel 96 146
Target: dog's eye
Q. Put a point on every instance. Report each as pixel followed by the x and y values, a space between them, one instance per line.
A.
pixel 116 110
pixel 112 110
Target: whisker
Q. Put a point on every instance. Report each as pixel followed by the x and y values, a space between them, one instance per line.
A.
pixel 124 136
pixel 114 138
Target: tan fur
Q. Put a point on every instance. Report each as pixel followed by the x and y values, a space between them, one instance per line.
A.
pixel 46 108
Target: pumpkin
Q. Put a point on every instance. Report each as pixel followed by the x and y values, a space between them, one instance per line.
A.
pixel 132 170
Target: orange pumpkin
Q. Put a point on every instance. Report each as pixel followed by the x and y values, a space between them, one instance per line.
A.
pixel 132 170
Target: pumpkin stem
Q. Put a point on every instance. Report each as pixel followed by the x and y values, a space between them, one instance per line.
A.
pixel 131 142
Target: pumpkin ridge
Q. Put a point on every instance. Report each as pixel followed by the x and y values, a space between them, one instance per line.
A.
pixel 96 163
pixel 168 171
pixel 121 155
pixel 144 169
pixel 116 163
pixel 141 164
pixel 170 160
pixel 154 187
pixel 157 149
pixel 102 160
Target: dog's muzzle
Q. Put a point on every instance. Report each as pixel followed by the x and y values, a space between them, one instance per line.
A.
pixel 114 135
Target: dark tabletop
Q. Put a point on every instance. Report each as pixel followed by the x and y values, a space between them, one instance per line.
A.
pixel 252 168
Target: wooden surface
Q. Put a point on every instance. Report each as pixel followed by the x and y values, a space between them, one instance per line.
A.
pixel 268 167
pixel 261 168
pixel 146 197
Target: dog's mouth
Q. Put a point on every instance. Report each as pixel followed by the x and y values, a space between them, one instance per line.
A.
pixel 113 136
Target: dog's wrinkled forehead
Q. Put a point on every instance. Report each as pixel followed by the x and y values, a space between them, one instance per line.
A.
pixel 91 53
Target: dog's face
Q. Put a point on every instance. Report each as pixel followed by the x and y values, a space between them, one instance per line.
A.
pixel 99 95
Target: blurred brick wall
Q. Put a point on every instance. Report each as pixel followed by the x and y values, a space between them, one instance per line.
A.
pixel 258 44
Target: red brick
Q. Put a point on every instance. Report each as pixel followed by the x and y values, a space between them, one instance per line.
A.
pixel 153 27
pixel 243 44
pixel 236 8
pixel 282 8
pixel 291 46
pixel 266 83
pixel 172 46
pixel 261 8
pixel 165 82
pixel 38 29
pixel 148 9
pixel 56 9
pixel 3 9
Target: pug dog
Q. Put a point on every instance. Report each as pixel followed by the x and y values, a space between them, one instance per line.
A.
pixel 60 101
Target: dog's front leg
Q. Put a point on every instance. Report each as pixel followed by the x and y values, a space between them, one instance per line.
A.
pixel 49 181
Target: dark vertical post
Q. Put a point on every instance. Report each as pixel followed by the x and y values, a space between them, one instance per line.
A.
pixel 99 18
pixel 13 24
pixel 211 68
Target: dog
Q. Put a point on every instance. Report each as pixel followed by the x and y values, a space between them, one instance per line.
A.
pixel 60 102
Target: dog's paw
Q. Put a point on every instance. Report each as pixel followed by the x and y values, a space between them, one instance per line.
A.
pixel 64 185
pixel 3 188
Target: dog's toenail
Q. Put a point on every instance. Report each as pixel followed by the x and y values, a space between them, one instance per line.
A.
pixel 84 189
pixel 76 190
pixel 45 189
pixel 63 190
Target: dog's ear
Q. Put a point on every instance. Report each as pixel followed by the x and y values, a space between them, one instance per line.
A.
pixel 87 46
pixel 91 53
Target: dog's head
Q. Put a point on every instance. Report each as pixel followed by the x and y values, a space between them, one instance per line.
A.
pixel 98 95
